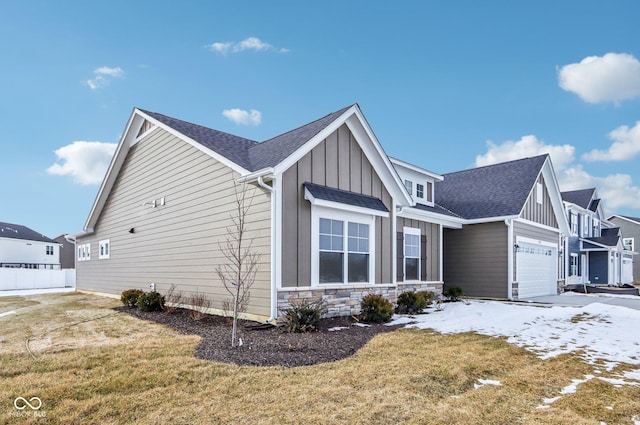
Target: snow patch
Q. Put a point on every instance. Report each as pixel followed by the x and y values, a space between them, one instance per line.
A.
pixel 6 313
pixel 337 328
pixel 482 382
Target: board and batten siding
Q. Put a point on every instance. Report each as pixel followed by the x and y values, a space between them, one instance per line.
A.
pixel 429 263
pixel 540 213
pixel 475 259
pixel 536 233
pixel 178 243
pixel 337 162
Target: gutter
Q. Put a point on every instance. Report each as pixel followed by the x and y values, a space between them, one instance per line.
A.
pixel 509 223
pixel 274 294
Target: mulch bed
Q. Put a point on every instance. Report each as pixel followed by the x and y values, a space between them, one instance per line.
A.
pixel 272 346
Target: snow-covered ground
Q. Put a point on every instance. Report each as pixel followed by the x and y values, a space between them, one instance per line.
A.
pixel 605 335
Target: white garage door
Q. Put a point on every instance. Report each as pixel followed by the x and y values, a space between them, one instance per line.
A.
pixel 536 270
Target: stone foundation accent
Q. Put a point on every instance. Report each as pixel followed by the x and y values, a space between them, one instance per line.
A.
pixel 345 301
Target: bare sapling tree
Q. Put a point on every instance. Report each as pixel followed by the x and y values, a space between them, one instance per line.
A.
pixel 238 271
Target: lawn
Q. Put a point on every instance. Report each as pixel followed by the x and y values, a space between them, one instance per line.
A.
pixel 91 364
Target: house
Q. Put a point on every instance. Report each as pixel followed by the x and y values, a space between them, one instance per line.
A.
pixel 630 228
pixel 513 223
pixel 331 215
pixel 594 251
pixel 22 247
pixel 67 251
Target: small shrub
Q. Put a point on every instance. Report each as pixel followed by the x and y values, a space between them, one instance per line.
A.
pixel 453 293
pixel 414 302
pixel 375 309
pixel 130 297
pixel 302 316
pixel 151 301
pixel 199 305
pixel 173 300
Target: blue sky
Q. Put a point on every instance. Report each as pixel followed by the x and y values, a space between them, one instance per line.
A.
pixel 447 85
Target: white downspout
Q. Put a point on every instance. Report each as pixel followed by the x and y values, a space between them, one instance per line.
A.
pixel 509 223
pixel 274 295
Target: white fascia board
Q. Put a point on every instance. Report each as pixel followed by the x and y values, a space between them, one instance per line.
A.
pixel 215 155
pixel 415 168
pixel 378 158
pixel 340 206
pixel 534 224
pixel 312 143
pixel 431 217
pixel 490 219
pixel 128 138
pixel 264 172
pixel 623 218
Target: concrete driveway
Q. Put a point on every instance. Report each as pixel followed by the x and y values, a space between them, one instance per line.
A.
pixel 574 299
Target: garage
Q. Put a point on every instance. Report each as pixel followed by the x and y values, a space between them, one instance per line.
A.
pixel 536 269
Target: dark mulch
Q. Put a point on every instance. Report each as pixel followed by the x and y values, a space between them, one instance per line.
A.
pixel 272 346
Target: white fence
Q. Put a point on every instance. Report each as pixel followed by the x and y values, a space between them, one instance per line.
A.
pixel 13 279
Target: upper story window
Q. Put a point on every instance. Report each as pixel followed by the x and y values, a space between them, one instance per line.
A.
pixel 429 192
pixel 585 225
pixel 408 184
pixel 84 252
pixel 411 253
pixel 419 190
pixel 596 228
pixel 574 223
pixel 49 250
pixel 628 244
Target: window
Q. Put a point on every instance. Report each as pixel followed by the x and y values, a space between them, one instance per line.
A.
pixel 585 225
pixel 411 253
pixel 49 249
pixel 539 193
pixel 419 190
pixel 104 249
pixel 344 251
pixel 84 252
pixel 596 228
pixel 574 223
pixel 573 269
pixel 628 244
pixel 408 184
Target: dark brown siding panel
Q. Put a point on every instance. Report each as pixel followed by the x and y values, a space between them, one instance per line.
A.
pixel 344 142
pixel 356 166
pixel 289 227
pixel 540 213
pixel 475 259
pixel 331 147
pixel 400 256
pixel 423 257
pixel 318 164
pixel 304 224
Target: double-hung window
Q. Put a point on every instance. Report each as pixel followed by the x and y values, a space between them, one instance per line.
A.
pixel 49 250
pixel 573 270
pixel 343 251
pixel 574 223
pixel 104 249
pixel 411 253
pixel 419 190
pixel 408 184
pixel 628 244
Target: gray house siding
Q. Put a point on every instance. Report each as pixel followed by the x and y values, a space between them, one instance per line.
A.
pixel 429 249
pixel 67 253
pixel 475 259
pixel 630 230
pixel 177 243
pixel 338 162
pixel 540 213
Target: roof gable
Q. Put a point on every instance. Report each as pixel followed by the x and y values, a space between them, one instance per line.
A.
pixel 581 198
pixel 497 190
pixel 17 231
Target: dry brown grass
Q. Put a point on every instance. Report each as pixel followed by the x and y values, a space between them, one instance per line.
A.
pixel 118 369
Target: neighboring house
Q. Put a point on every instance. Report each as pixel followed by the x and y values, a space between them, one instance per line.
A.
pixel 630 228
pixel 509 246
pixel 21 247
pixel 67 251
pixel 594 251
pixel 330 215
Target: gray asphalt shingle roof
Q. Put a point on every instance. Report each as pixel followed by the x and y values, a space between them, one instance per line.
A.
pixel 17 231
pixel 436 209
pixel 249 154
pixel 581 198
pixel 609 237
pixel 492 191
pixel 345 197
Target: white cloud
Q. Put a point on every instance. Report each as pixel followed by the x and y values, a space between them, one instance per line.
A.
pixel 250 43
pixel 625 146
pixel 613 77
pixel 242 117
pixel 527 146
pixel 103 76
pixel 86 162
pixel 617 190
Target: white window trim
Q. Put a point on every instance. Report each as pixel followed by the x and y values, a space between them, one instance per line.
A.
pixel 624 240
pixel 318 212
pixel 84 252
pixel 575 229
pixel 417 191
pixel 102 244
pixel 539 193
pixel 408 185
pixel 585 225
pixel 574 257
pixel 411 231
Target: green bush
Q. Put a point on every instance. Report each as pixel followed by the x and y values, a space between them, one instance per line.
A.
pixel 130 297
pixel 302 316
pixel 453 293
pixel 375 309
pixel 414 302
pixel 151 301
